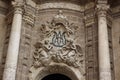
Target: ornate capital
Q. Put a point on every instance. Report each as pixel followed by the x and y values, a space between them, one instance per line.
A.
pixel 18 7
pixel 102 9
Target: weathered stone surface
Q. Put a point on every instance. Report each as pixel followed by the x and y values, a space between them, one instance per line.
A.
pixel 61 36
pixel 116 46
pixel 2 38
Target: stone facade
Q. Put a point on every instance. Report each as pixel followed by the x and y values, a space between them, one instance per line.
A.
pixel 79 39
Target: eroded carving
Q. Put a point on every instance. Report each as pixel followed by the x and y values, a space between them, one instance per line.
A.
pixel 41 55
pixel 70 54
pixel 57 44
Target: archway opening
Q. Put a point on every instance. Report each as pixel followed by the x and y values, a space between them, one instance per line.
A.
pixel 56 77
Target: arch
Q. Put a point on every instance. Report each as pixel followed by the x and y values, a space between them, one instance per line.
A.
pixel 59 69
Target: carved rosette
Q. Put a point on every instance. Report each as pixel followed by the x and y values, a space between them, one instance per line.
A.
pixel 57 45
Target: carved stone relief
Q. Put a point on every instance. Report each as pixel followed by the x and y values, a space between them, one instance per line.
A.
pixel 57 46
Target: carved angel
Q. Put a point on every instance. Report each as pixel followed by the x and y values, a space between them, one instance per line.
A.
pixel 72 54
pixel 41 56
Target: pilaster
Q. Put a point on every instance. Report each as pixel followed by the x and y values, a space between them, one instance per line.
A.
pixel 25 52
pixel 91 32
pixel 103 43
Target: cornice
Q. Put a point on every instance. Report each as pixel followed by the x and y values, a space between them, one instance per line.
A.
pixel 64 5
pixel 29 18
pixel 79 2
pixel 89 16
pixel 116 15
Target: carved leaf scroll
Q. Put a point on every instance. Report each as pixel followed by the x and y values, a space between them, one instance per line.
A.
pixel 57 45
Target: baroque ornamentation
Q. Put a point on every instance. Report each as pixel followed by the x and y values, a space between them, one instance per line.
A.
pixel 57 44
pixel 102 9
pixel 18 7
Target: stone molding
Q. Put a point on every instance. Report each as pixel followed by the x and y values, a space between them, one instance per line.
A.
pixel 102 1
pixel 60 5
pixel 29 18
pixel 29 14
pixel 89 17
pixel 89 6
pixel 40 73
pixel 116 12
pixel 116 15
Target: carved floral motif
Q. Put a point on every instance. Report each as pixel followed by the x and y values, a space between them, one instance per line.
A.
pixel 57 44
pixel 70 54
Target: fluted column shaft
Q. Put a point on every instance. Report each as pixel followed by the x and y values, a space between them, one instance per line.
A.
pixel 13 46
pixel 104 54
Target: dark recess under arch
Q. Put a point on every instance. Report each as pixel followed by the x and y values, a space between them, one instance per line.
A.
pixel 56 76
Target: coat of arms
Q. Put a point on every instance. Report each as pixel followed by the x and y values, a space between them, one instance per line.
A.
pixel 57 45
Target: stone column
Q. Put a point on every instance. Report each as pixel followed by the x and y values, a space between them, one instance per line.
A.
pixel 13 46
pixel 104 54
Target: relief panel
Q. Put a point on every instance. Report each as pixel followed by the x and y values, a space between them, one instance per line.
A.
pixel 58 39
